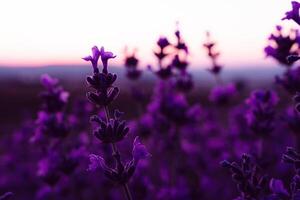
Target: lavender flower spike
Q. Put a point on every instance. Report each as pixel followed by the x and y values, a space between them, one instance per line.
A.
pixel 105 56
pixel 294 13
pixel 94 58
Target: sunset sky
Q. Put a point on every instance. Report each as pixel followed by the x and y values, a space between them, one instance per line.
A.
pixel 46 32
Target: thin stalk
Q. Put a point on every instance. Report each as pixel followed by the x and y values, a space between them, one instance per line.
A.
pixel 117 157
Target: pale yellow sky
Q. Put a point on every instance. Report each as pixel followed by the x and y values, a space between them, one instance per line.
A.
pixel 41 32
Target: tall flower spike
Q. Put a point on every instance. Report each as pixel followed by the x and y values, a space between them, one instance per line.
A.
pixel 294 13
pixel 94 58
pixel 105 56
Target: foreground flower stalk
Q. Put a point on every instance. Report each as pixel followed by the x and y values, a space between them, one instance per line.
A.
pixel 112 129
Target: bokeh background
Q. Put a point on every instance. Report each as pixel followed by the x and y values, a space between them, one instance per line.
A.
pixel 188 131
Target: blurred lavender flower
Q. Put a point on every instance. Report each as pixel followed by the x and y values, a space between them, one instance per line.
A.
pixel 180 45
pixel 131 64
pixel 261 111
pixel 282 46
pixel 290 80
pixel 54 97
pixel 184 82
pixel 162 43
pixel 278 188
pixel 212 54
pixel 222 95
pixel 294 13
pixel 292 118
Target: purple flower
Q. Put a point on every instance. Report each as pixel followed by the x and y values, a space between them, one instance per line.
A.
pixel 54 97
pixel 163 42
pixel 184 82
pixel 96 162
pixel 212 54
pixel 261 111
pixel 94 58
pixel 139 151
pixel 105 56
pixel 179 64
pixel 282 46
pixel 294 13
pixel 277 187
pixel 113 131
pixel 290 80
pixel 131 64
pixel 180 43
pixel 48 82
pixel 222 94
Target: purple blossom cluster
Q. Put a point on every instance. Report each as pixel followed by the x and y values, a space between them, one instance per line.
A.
pixel 179 142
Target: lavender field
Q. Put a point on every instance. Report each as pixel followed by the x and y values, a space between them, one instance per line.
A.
pixel 161 131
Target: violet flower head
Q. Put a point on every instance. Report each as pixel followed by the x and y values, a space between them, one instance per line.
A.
pixel 48 169
pixel 179 63
pixel 94 58
pixel 222 95
pixel 54 97
pixel 139 151
pixel 104 92
pixel 281 46
pixel 122 173
pixel 113 131
pixel 290 80
pixel 213 54
pixel 163 42
pixel 181 45
pixel 261 111
pixel 278 188
pixel 48 82
pixel 105 56
pixel 165 73
pixel 131 64
pixel 294 13
pixel 250 183
pixel 184 82
pixel 96 162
